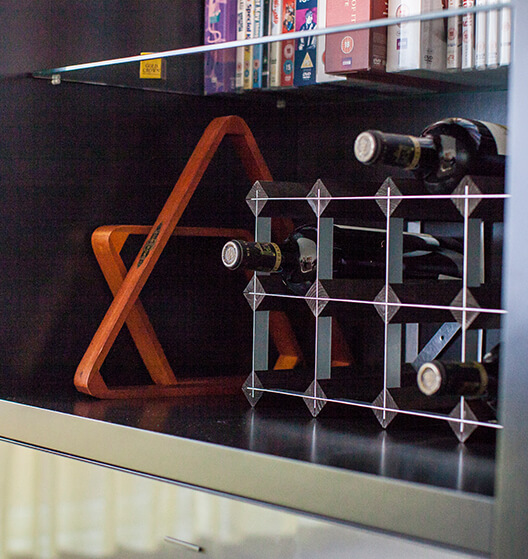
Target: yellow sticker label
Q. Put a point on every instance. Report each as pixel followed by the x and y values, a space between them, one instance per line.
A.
pixel 154 69
pixel 307 62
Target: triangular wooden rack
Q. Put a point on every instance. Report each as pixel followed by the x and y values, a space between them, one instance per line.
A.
pixel 126 285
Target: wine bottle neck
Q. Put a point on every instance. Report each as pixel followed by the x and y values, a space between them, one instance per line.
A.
pixel 398 150
pixel 471 379
pixel 262 257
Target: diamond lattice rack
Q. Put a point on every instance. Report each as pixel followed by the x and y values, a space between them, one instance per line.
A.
pixel 467 312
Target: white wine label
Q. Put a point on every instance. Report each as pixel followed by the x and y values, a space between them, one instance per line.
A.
pixel 307 254
pixel 500 135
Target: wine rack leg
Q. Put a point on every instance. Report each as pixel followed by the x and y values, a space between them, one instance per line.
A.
pixel 323 347
pixel 323 327
pixel 473 347
pixel 263 229
pixel 323 331
pixel 393 357
pixel 325 248
pixel 395 250
pixel 261 341
pixel 475 260
pixel 260 318
pixel 252 387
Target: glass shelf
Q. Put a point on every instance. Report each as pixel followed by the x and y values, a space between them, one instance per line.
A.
pixel 183 70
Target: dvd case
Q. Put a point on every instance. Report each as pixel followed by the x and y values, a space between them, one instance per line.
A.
pixel 220 65
pixel 416 45
pixel 364 49
pixel 305 60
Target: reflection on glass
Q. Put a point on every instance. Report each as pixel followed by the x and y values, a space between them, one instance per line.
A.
pixel 57 507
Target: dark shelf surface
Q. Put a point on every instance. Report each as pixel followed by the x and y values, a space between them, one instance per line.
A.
pixel 421 451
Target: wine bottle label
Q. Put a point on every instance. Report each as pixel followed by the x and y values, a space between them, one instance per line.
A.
pixel 307 254
pixel 402 154
pixel 473 387
pixel 483 379
pixel 500 135
pixel 278 257
pixel 265 257
pixel 416 155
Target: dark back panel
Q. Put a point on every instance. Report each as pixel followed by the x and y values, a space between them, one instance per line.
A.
pixel 41 34
pixel 74 157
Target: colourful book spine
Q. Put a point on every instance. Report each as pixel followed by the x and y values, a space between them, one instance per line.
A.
pixel 219 65
pixel 305 59
pixel 275 48
pixel 288 46
pixel 258 50
pixel 266 46
pixel 248 51
pixel 240 35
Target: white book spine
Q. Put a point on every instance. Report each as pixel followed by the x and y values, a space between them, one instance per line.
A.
pixel 492 52
pixel 505 37
pixel 454 38
pixel 404 40
pixel 433 38
pixel 481 36
pixel 468 37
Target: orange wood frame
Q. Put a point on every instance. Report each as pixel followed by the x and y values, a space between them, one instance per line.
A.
pixel 126 285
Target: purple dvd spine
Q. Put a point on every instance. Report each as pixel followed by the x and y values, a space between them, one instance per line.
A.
pixel 220 27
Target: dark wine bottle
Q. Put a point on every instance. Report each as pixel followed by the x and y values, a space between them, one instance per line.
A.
pixel 445 152
pixel 471 379
pixel 359 252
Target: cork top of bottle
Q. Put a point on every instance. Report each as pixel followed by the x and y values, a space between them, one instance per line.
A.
pixel 232 255
pixel 429 378
pixel 366 147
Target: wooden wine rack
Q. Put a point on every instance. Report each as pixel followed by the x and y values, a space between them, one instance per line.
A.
pixel 465 310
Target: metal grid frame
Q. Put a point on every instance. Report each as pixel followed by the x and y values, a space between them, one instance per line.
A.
pixel 466 198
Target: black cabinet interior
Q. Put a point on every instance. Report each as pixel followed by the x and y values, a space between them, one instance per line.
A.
pixel 75 157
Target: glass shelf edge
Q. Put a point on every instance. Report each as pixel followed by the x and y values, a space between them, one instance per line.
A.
pixel 200 49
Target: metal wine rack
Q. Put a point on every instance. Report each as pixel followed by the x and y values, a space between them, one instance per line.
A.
pixel 465 310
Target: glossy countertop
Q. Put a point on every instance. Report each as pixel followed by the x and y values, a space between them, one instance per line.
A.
pixel 413 478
